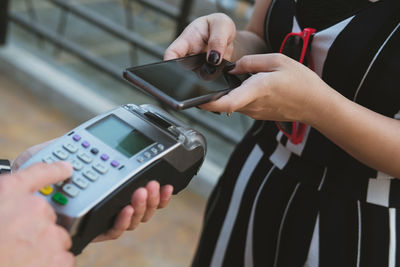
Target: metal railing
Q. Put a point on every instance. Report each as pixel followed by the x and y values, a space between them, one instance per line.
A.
pixel 180 15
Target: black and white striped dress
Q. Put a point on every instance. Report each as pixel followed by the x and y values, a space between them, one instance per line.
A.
pixel 312 204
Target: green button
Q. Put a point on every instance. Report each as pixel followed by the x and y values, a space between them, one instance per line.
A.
pixel 60 198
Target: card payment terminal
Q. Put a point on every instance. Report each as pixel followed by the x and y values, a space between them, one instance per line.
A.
pixel 112 155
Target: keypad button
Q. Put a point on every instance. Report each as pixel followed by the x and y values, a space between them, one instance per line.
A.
pixel 85 144
pixel 85 157
pixel 154 150
pixel 79 181
pixel 61 154
pixel 100 168
pixel 94 151
pixel 91 175
pixel 47 190
pixel 76 137
pixel 104 157
pixel 70 147
pixel 140 159
pixel 60 198
pixel 71 190
pixel 160 146
pixel 48 159
pixel 114 163
pixel 77 165
pixel 147 155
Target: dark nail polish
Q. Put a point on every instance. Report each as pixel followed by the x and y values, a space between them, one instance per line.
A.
pixel 213 57
pixel 229 66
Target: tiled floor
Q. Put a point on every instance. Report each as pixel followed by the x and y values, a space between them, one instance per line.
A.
pixel 169 239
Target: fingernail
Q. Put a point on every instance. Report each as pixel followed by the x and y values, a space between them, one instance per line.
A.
pixel 213 57
pixel 229 66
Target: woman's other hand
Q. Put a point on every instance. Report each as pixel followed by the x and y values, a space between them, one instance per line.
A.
pixel 144 202
pixel 281 89
pixel 213 34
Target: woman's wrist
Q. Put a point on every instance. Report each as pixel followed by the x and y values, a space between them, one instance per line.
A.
pixel 323 106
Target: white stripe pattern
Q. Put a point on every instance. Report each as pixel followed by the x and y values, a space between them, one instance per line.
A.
pixel 313 252
pixel 234 205
pixel 392 242
pixel 248 256
pixel 359 233
pixel 280 157
pixel 373 61
pixel 378 192
pixel 278 244
pixel 322 41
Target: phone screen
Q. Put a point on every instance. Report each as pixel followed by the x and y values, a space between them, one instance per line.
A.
pixel 188 77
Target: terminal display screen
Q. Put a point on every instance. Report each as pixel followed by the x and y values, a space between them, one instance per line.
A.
pixel 119 135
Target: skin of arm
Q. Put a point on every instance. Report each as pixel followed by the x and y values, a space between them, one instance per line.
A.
pixel 366 135
pixel 251 40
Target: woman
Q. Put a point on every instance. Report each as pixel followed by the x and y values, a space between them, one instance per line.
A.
pixel 330 197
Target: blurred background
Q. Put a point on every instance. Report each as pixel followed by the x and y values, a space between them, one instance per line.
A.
pixel 61 63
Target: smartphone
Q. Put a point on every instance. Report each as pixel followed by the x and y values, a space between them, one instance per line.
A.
pixel 184 82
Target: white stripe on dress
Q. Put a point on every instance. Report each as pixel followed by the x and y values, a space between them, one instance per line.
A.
pixel 373 61
pixel 280 157
pixel 323 178
pixel 313 252
pixel 378 192
pixel 248 252
pixel 359 233
pixel 278 243
pixel 392 242
pixel 234 205
pixel 322 42
pixel 298 149
pixel 382 175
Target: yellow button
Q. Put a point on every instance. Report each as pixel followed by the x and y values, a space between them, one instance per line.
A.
pixel 46 190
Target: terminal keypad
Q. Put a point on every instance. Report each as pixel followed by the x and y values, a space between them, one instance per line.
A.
pixel 87 169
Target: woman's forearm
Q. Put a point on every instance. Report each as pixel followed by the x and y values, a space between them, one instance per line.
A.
pixel 368 136
pixel 251 40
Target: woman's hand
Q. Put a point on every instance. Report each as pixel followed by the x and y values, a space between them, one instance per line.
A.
pixel 144 202
pixel 281 89
pixel 213 34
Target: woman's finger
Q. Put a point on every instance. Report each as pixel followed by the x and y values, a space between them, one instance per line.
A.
pixel 139 204
pixel 121 224
pixel 260 63
pixel 165 195
pixel 222 33
pixel 153 199
pixel 237 98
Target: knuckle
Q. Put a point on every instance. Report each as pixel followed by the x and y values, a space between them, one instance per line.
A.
pixel 115 234
pixel 64 236
pixel 231 107
pixel 247 61
pixel 218 42
pixel 279 59
pixel 222 17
